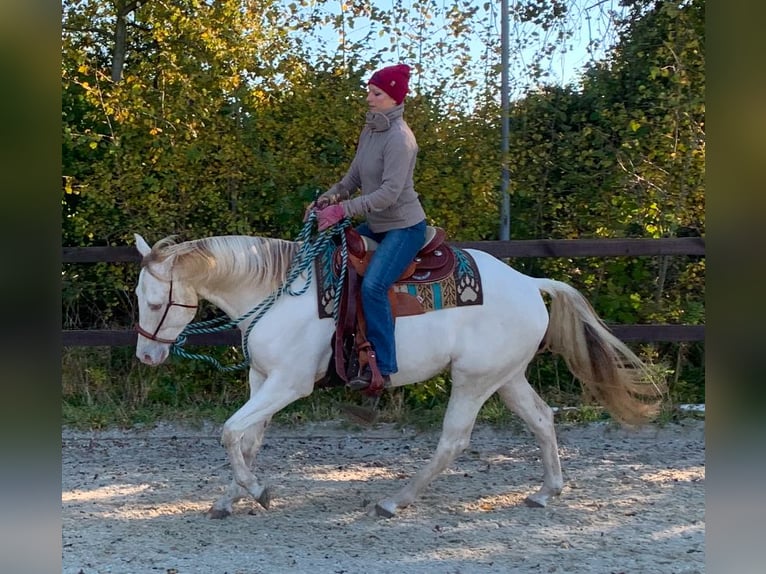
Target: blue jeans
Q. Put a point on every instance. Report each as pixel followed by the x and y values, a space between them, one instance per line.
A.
pixel 396 250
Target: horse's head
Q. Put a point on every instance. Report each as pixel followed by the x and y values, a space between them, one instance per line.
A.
pixel 166 304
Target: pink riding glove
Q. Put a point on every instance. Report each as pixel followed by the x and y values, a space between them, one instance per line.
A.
pixel 330 215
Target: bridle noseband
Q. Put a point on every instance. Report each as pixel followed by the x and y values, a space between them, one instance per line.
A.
pixel 171 303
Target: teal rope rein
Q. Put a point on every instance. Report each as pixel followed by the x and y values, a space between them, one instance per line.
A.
pixel 302 263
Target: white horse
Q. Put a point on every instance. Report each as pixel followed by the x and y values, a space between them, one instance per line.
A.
pixel 486 348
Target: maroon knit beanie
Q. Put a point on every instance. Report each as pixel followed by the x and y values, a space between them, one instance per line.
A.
pixel 393 80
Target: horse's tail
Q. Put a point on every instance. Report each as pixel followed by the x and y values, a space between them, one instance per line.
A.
pixel 609 371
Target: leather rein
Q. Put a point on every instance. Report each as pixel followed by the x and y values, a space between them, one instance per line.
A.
pixel 171 303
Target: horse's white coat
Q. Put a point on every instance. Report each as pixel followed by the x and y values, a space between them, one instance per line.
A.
pixel 486 348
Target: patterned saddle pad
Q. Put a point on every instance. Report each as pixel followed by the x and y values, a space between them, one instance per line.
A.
pixel 458 288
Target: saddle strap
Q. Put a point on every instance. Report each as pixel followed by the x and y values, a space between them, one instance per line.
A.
pixel 346 320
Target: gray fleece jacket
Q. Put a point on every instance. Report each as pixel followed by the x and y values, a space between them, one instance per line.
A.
pixel 382 168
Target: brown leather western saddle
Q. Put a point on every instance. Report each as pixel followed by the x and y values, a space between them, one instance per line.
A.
pixel 435 261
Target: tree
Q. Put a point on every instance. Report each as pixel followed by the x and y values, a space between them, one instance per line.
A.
pixel 152 95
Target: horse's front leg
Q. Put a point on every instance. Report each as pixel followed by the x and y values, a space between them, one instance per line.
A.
pixel 250 445
pixel 243 433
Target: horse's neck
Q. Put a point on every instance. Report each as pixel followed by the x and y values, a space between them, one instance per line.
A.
pixel 236 302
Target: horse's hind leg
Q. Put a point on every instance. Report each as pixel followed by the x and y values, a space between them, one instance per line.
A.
pixel 522 399
pixel 249 445
pixel 458 423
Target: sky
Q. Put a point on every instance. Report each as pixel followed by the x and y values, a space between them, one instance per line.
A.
pixel 585 20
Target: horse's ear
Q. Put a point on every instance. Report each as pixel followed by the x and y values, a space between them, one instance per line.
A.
pixel 142 245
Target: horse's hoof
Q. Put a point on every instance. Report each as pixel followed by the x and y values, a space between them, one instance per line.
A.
pixel 265 498
pixel 384 512
pixel 217 513
pixel 533 502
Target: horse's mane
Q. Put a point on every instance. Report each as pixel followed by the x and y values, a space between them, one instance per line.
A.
pixel 223 260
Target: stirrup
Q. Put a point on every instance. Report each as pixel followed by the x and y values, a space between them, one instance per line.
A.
pixel 364 379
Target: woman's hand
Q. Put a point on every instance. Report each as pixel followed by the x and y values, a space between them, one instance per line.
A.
pixel 321 202
pixel 326 199
pixel 329 216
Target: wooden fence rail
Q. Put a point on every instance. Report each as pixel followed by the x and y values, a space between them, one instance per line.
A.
pixel 691 246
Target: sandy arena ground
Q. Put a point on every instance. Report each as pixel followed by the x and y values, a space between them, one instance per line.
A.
pixel 133 502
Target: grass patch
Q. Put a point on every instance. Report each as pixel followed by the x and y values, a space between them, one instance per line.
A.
pixel 107 387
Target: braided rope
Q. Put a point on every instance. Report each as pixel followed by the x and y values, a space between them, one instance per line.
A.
pixel 302 262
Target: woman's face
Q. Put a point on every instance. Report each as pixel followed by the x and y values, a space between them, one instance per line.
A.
pixel 378 100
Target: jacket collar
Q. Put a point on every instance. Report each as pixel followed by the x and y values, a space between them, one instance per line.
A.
pixel 381 121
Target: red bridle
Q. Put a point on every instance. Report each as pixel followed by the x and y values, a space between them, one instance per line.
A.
pixel 171 303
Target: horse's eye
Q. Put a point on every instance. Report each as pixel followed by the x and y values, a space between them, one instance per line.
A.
pixel 155 306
